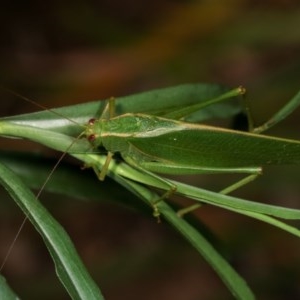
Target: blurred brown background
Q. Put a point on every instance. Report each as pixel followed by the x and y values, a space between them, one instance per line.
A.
pixel 67 52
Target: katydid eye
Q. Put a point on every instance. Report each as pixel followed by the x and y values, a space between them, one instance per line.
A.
pixel 91 137
pixel 92 121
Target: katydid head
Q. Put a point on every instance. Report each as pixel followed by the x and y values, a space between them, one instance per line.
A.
pixel 90 132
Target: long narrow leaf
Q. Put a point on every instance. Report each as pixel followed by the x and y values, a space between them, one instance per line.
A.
pixel 69 267
pixel 281 114
pixel 230 277
pixel 6 293
pixel 155 102
pixel 196 193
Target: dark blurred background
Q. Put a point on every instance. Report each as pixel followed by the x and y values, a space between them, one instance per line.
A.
pixel 64 52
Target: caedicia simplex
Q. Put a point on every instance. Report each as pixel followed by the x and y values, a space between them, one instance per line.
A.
pixel 144 161
pixel 168 107
pixel 241 152
pixel 184 148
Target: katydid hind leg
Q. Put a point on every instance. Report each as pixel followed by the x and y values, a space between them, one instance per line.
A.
pixel 160 167
pixel 225 191
pixel 149 178
pixel 183 112
pixel 169 187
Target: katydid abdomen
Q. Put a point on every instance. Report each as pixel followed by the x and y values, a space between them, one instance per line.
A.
pixel 169 146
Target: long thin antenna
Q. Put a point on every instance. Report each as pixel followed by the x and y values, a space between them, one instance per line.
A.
pixel 38 104
pixel 9 251
pixel 37 197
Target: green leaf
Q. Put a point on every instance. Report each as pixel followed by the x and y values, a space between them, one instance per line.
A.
pixel 68 180
pixel 230 277
pixel 58 133
pixel 253 209
pixel 70 119
pixel 69 267
pixel 6 293
pixel 281 114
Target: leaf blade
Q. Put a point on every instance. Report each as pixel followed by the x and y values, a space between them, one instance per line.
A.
pixel 69 267
pixel 155 102
pixel 229 276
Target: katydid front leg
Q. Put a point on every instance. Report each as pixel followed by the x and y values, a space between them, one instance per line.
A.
pixel 108 113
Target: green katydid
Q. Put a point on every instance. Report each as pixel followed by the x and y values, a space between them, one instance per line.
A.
pixel 161 145
pixel 145 145
pixel 31 126
pixel 173 147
